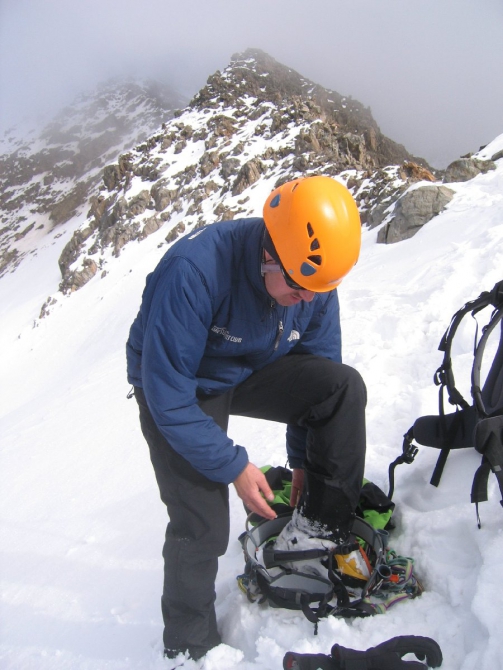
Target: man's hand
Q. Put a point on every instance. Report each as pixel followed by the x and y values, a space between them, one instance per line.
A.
pixel 297 484
pixel 249 486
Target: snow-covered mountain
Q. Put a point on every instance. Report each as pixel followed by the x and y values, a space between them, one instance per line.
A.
pixel 81 524
pixel 254 125
pixel 46 177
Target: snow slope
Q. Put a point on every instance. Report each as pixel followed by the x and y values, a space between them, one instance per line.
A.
pixel 81 522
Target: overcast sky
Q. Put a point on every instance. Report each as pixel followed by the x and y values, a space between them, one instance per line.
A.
pixel 431 70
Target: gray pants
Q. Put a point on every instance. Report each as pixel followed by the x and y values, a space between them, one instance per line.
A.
pixel 325 399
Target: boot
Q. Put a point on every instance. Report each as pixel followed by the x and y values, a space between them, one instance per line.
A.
pixel 330 508
pixel 326 507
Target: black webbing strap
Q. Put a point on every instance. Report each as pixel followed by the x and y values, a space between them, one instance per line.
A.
pixel 273 558
pixel 448 435
pixel 479 487
pixel 409 452
pixel 488 442
pixel 439 466
pixel 314 615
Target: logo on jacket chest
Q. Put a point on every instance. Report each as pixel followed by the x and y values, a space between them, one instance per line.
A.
pixel 225 334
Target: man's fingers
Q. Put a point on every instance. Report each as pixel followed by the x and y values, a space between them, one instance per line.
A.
pixel 250 484
pixel 262 507
pixel 294 497
pixel 297 485
pixel 259 506
pixel 265 488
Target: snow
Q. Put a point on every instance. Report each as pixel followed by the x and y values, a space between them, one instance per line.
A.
pixel 82 525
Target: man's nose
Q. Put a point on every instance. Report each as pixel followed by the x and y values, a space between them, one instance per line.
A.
pixel 307 296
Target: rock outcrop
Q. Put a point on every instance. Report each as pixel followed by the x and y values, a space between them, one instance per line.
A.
pixel 464 169
pixel 413 210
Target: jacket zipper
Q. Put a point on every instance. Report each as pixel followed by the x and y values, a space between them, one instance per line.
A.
pixel 281 327
pixel 279 335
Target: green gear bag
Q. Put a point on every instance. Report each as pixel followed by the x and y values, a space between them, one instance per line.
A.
pixel 374 505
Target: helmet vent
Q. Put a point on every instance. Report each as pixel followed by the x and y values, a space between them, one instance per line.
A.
pixel 315 259
pixel 310 230
pixel 314 245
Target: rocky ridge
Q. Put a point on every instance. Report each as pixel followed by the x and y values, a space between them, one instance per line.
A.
pixel 47 177
pixel 254 125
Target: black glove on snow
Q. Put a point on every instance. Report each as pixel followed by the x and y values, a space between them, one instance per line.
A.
pixel 293 661
pixel 386 656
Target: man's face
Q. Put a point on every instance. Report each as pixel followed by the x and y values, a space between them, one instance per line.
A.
pixel 279 290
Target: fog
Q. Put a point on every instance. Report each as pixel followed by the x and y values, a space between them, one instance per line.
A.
pixel 431 70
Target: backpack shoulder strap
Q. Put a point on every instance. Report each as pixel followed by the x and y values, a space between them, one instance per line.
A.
pixel 444 376
pixel 495 373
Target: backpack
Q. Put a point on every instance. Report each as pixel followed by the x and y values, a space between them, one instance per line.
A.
pixel 477 423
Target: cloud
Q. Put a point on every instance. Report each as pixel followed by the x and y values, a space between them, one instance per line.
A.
pixel 429 69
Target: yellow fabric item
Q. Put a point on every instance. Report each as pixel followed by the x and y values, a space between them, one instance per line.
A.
pixel 355 564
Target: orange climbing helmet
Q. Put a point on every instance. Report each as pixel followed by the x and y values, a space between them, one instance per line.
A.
pixel 315 228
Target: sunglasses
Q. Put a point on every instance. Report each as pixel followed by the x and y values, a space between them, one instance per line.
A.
pixel 276 267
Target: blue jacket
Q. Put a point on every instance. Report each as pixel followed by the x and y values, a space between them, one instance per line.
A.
pixel 205 324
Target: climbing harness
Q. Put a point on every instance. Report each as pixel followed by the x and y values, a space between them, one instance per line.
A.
pixel 268 576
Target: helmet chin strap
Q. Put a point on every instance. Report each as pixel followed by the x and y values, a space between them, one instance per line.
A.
pixel 268 264
pixel 268 246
